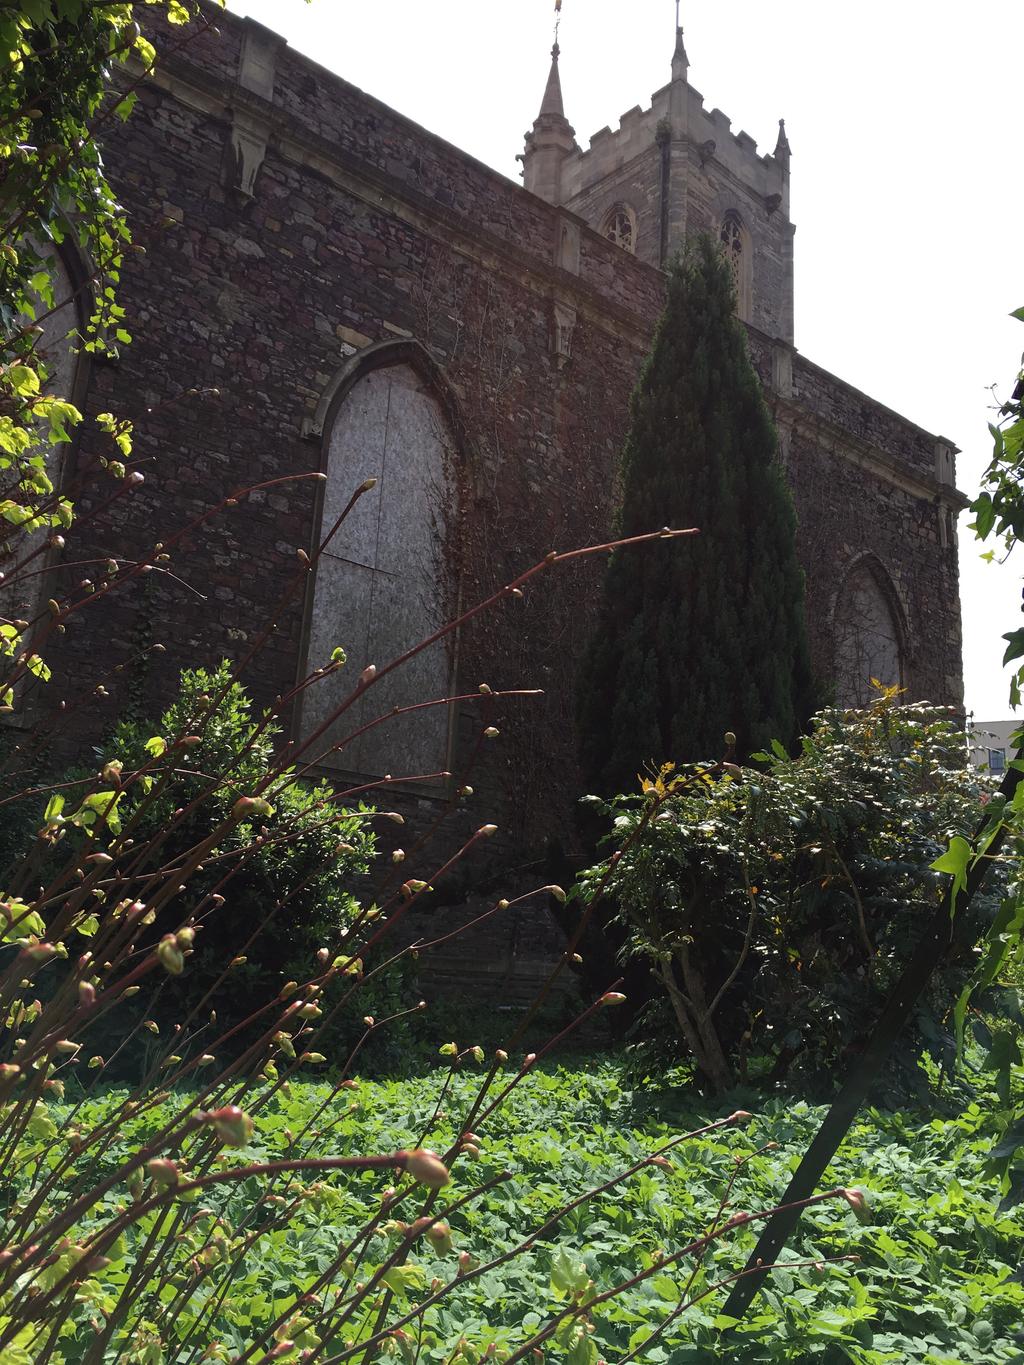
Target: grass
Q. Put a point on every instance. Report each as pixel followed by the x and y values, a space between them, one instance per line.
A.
pixel 938 1280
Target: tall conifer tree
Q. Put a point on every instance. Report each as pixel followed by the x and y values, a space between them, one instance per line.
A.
pixel 702 635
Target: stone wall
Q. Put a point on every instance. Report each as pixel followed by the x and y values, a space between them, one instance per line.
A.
pixel 871 487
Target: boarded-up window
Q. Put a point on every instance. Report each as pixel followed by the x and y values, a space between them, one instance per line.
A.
pixel 867 639
pixel 381 583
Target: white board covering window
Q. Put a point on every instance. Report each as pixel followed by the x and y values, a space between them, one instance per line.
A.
pixel 868 640
pixel 381 582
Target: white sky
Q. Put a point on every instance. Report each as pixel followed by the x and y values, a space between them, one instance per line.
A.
pixel 906 127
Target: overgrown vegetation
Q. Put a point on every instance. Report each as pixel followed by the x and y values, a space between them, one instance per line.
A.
pixel 776 906
pixel 935 1280
pixel 999 507
pixel 261 919
pixel 55 98
pixel 192 914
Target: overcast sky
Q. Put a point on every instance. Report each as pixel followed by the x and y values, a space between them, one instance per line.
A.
pixel 905 119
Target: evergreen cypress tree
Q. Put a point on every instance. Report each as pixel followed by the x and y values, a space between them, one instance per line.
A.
pixel 701 635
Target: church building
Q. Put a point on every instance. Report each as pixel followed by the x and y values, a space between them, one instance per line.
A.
pixel 329 288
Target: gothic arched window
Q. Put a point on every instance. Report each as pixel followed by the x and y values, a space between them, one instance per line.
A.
pixel 868 638
pixel 736 249
pixel 619 226
pixel 381 583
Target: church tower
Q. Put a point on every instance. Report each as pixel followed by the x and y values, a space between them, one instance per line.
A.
pixel 671 170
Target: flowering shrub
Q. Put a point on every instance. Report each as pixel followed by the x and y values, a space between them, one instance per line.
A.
pixel 775 906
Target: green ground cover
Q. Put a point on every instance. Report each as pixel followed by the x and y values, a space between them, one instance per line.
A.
pixel 938 1280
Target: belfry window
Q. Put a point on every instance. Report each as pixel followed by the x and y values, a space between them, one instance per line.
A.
pixel 736 250
pixel 620 227
pixel 732 243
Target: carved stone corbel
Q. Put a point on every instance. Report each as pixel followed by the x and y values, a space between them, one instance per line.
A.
pixel 247 151
pixel 250 130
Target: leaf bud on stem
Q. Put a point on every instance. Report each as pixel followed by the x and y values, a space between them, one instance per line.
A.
pixel 232 1125
pixel 425 1167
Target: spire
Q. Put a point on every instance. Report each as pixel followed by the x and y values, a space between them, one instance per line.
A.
pixel 680 61
pixel 782 148
pixel 551 138
pixel 552 101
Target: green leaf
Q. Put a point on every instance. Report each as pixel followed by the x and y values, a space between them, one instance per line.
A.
pixel 99 806
pixel 146 50
pixel 41 1125
pixel 960 1017
pixel 984 515
pixel 568 1276
pixel 402 1278
pixel 1003 1055
pixel 23 380
pixel 1011 1140
pixel 1015 649
pixel 583 1352
pixel 666 1288
pixel 17 921
pixel 15 513
pixel 955 861
pixel 39 667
